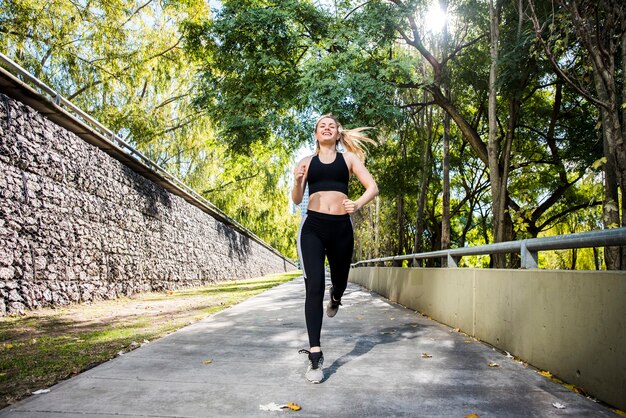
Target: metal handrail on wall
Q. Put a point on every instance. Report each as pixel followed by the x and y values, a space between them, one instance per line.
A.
pixel 61 101
pixel 115 140
pixel 527 248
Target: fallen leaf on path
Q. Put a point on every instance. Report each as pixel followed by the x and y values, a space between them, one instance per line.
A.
pixel 467 341
pixel 574 388
pixel 426 355
pixel 571 387
pixel 493 364
pixel 40 391
pixel 207 361
pixel 272 406
pixel 558 405
pixel 456 329
pixel 294 406
pixel 472 416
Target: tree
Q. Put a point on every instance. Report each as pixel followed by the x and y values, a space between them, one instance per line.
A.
pixel 122 61
pixel 517 83
pixel 251 75
pixel 498 175
pixel 373 63
pixel 600 32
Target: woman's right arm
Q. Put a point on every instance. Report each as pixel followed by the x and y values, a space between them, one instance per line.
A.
pixel 300 180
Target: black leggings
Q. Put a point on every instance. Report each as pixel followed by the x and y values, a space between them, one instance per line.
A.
pixel 323 235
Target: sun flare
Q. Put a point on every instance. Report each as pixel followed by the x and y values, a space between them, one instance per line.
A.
pixel 436 18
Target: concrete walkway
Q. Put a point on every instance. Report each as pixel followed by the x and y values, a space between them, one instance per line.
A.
pixel 374 368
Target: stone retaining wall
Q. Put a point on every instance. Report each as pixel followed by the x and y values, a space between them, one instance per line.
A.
pixel 77 225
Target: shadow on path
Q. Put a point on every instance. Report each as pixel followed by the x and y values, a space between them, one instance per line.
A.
pixel 365 343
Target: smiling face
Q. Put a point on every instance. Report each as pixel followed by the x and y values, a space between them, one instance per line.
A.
pixel 327 130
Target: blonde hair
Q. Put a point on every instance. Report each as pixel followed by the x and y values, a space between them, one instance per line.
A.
pixel 352 139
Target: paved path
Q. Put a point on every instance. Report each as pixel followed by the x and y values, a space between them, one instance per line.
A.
pixel 374 368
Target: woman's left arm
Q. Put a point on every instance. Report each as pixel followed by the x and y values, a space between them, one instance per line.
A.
pixel 356 166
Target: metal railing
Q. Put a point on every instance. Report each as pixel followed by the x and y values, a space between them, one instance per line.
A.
pixel 116 141
pixel 528 248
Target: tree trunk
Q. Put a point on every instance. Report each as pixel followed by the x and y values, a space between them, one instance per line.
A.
pixel 598 38
pixel 623 23
pixel 624 72
pixel 400 215
pixel 612 134
pixel 470 134
pixel 610 208
pixel 445 210
pixel 493 147
pixel 377 228
pixel 423 191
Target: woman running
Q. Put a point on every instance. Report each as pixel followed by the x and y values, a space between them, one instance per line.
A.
pixel 326 230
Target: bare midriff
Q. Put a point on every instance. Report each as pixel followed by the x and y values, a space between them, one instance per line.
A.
pixel 330 202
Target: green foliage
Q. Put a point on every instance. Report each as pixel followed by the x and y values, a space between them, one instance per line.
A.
pixel 227 113
pixel 250 76
pixel 122 61
pixel 252 190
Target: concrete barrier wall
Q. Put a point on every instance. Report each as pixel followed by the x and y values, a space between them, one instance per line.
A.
pixel 571 323
pixel 77 224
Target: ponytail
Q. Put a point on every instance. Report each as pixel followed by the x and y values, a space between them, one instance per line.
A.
pixel 351 139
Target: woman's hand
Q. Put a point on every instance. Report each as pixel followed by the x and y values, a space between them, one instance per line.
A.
pixel 300 180
pixel 350 206
pixel 357 167
pixel 300 172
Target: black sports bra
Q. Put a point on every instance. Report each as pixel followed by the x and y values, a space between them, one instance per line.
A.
pixel 325 177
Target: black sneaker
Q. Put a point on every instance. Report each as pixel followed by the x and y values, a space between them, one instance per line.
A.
pixel 314 373
pixel 333 305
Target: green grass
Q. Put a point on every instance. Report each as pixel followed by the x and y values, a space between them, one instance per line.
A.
pixel 46 346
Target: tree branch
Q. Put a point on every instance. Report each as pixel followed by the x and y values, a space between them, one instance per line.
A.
pixel 569 210
pixel 355 9
pixel 459 48
pixel 538 31
pixel 418 104
pixel 134 13
pixel 556 195
pixel 223 186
